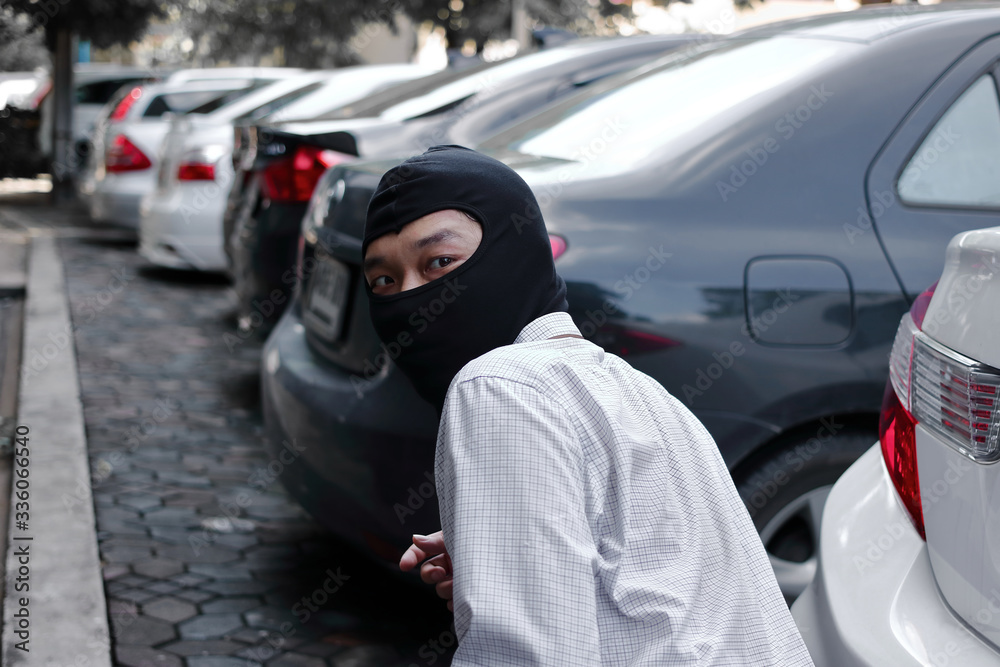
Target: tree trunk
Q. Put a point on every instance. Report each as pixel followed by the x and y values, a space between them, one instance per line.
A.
pixel 63 161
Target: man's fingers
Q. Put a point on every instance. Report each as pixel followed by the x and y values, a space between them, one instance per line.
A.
pixel 411 558
pixel 431 544
pixel 433 570
pixel 445 589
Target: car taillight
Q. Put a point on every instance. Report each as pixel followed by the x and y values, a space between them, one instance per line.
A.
pixel 123 155
pixel 195 172
pixel 121 109
pixel 293 179
pixel 948 393
pixel 199 164
pixel 558 244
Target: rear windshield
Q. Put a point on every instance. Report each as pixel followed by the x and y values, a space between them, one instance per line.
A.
pixel 639 112
pixel 100 92
pixel 201 101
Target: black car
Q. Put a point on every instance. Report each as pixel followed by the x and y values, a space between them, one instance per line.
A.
pixel 745 221
pixel 281 162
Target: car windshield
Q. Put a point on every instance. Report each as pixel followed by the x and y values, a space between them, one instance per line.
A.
pixel 638 113
pixel 340 93
pixel 448 89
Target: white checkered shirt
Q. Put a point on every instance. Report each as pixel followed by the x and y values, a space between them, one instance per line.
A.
pixel 591 520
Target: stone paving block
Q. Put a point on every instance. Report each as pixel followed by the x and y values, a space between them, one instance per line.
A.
pixel 296 660
pixel 196 596
pixel 137 656
pixel 236 540
pixel 139 501
pixel 220 661
pixel 222 572
pixel 195 552
pixel 113 570
pixel 159 568
pixel 268 618
pixel 134 580
pixel 134 594
pixel 169 609
pixel 238 587
pixel 172 516
pixel 143 631
pixel 181 478
pixel 156 454
pixel 249 635
pixel 274 512
pixel 162 587
pixel 209 647
pixel 231 605
pixel 188 579
pixel 172 534
pixel 210 626
pixel 126 554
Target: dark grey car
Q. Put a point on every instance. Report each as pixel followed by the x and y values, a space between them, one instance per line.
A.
pixel 745 221
pixel 464 106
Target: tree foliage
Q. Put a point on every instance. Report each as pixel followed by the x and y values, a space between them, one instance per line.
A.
pixel 22 47
pixel 104 22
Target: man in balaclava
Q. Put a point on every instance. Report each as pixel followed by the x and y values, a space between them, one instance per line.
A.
pixel 588 517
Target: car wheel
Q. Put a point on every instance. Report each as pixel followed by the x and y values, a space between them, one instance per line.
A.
pixel 785 491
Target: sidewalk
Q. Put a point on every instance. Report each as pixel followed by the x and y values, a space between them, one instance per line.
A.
pixel 163 424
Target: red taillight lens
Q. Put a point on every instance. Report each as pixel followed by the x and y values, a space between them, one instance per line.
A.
pixel 558 244
pixel 899 451
pixel 293 179
pixel 126 103
pixel 123 155
pixel 193 171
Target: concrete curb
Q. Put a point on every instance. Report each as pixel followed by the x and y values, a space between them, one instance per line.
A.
pixel 67 620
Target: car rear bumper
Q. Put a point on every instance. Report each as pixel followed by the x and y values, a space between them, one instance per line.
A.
pixel 874 601
pixel 183 230
pixel 117 197
pixel 365 469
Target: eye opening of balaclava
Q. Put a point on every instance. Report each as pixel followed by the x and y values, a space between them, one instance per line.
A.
pixel 507 282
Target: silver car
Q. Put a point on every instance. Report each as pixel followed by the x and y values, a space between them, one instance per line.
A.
pixel 909 570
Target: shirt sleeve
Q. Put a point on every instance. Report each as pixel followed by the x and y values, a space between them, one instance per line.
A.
pixel 511 490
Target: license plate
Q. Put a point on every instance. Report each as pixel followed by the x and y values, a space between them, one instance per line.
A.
pixel 327 298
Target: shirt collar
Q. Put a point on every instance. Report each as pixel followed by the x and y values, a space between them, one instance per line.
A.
pixel 547 326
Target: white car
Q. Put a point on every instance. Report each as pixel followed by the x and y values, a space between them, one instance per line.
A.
pixel 181 220
pixel 910 541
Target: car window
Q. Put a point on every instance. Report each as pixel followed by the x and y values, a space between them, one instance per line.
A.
pixel 635 116
pixel 183 102
pixel 277 103
pixel 219 102
pixel 958 163
pixel 100 92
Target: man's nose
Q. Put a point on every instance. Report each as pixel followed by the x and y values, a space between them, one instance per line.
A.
pixel 411 279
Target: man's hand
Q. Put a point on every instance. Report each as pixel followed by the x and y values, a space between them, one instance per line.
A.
pixel 436 568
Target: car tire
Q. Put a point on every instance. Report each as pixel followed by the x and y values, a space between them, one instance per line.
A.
pixel 785 490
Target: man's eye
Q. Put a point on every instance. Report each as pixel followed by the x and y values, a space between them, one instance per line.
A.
pixel 382 281
pixel 441 262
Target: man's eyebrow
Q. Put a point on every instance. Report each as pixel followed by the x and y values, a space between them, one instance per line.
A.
pixel 373 262
pixel 436 237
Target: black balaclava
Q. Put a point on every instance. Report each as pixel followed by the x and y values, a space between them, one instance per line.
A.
pixel 483 304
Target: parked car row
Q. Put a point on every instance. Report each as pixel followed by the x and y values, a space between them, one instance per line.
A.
pixel 745 219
